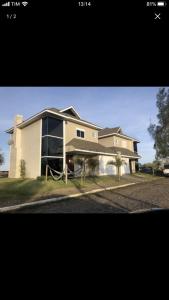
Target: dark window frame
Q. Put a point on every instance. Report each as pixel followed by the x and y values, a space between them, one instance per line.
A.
pixel 48 129
pixel 47 148
pixel 80 133
pixel 52 161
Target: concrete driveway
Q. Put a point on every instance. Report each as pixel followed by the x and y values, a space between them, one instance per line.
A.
pixel 147 195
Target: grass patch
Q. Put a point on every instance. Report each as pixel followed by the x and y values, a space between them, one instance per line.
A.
pixel 21 189
pixel 145 176
pixel 16 191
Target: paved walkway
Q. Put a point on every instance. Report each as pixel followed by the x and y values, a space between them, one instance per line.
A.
pixel 146 195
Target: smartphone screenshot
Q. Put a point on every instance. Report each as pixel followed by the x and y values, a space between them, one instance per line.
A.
pixel 84 95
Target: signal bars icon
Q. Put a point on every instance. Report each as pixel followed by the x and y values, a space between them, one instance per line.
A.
pixel 6 4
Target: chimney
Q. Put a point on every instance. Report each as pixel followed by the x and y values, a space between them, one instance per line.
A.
pixel 18 120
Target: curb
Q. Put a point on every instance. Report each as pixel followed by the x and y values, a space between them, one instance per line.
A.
pixel 57 199
pixel 146 210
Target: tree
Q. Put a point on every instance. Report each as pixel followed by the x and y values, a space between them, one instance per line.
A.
pixel 82 161
pixel 79 160
pixel 118 163
pixel 1 158
pixel 22 168
pixel 155 165
pixel 160 132
pixel 92 163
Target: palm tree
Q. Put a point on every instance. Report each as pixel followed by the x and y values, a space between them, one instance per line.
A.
pixel 118 163
pixel 79 160
pixel 82 161
pixel 92 163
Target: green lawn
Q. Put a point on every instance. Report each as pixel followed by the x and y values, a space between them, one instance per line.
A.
pixel 144 176
pixel 30 187
pixel 15 191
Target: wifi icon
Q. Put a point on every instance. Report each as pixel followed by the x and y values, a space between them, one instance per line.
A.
pixel 24 3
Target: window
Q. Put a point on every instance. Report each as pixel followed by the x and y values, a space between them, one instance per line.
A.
pixel 135 146
pixel 80 133
pixel 54 163
pixel 52 126
pixel 52 146
pixel 44 126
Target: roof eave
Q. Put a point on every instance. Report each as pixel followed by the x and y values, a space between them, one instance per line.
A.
pixel 125 136
pixel 71 107
pixel 74 149
pixel 25 123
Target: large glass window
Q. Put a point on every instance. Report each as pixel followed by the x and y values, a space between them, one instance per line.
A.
pixel 45 126
pixel 54 163
pixel 135 146
pixel 52 146
pixel 52 126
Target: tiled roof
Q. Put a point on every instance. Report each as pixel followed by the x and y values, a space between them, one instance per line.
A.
pixel 54 110
pixel 68 115
pixel 124 151
pixel 86 145
pixel 114 131
pixel 106 131
pixel 97 148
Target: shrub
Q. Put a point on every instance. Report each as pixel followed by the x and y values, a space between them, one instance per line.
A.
pixel 22 168
pixel 159 173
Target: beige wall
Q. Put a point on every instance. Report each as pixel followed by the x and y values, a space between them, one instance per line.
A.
pixel 70 132
pixel 31 149
pixel 116 141
pixel 26 145
pixel 15 154
pixel 15 149
pixel 133 166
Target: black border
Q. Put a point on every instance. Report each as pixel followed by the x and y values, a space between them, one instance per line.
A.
pixel 112 44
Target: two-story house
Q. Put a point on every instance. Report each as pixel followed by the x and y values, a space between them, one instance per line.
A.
pixel 55 136
pixel 114 138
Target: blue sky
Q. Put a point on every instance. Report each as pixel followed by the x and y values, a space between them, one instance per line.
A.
pixel 131 108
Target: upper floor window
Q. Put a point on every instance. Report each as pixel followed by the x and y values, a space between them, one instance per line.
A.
pixel 52 146
pixel 135 146
pixel 52 126
pixel 80 133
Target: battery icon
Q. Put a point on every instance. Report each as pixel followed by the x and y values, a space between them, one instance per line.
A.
pixel 160 3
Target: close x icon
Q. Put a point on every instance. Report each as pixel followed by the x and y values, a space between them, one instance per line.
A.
pixel 157 16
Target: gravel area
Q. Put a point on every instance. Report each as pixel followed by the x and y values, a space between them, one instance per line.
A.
pixel 146 195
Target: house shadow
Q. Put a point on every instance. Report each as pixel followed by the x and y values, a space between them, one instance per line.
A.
pixel 133 201
pixel 72 206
